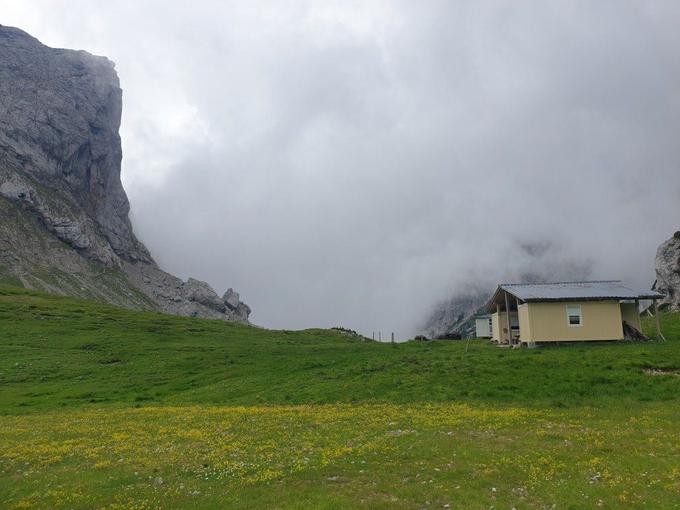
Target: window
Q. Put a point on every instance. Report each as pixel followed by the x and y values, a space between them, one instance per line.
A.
pixel 574 317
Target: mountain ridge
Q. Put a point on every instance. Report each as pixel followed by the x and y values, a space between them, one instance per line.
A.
pixel 65 215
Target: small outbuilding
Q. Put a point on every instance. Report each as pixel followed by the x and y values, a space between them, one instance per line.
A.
pixel 566 311
pixel 483 326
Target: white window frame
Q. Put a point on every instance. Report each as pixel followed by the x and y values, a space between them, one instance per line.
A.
pixel 569 310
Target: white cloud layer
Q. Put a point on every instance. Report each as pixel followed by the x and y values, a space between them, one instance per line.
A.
pixel 352 163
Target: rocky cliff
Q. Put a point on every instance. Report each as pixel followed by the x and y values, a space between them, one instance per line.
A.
pixel 64 224
pixel 668 272
pixel 455 314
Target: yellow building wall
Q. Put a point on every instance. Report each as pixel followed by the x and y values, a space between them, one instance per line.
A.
pixel 601 320
pixel 499 325
pixel 524 323
pixel 631 314
pixel 495 329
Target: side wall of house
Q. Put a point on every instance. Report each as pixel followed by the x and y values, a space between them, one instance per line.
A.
pixel 601 320
pixel 524 323
pixel 482 328
pixel 495 328
pixel 499 325
pixel 631 315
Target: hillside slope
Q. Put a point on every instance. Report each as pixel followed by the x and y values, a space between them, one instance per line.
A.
pixel 64 225
pixel 103 407
pixel 60 352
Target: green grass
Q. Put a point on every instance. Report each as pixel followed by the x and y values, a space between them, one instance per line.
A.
pixel 105 407
pixel 59 352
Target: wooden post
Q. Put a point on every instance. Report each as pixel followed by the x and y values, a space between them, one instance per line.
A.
pixel 392 337
pixel 500 326
pixel 507 316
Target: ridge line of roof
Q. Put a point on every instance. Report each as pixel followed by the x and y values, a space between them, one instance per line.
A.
pixel 559 283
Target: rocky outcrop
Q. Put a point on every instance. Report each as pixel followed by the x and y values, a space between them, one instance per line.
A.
pixel 65 225
pixel 233 301
pixel 667 264
pixel 454 316
pixel 192 298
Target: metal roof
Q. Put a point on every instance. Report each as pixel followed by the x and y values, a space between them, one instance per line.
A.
pixel 565 291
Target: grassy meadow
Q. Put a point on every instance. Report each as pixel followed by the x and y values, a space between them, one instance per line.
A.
pixel 108 408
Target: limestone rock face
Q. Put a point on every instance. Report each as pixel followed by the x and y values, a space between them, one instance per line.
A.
pixel 455 314
pixel 64 213
pixel 232 299
pixel 668 272
pixel 60 113
pixel 202 293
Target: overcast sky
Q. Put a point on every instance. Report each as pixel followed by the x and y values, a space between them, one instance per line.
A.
pixel 353 163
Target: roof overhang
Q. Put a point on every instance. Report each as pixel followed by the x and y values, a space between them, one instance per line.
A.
pixel 568 292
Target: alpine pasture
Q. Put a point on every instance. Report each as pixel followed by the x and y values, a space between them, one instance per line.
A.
pixel 102 407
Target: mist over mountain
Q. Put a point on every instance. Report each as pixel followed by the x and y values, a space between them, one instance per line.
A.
pixel 534 262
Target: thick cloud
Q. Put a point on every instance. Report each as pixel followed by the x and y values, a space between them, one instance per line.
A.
pixel 353 163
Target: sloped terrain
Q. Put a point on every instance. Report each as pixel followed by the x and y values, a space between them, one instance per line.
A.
pixel 60 352
pixel 107 407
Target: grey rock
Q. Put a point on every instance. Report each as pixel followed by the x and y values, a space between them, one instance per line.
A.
pixel 202 293
pixel 242 311
pixel 17 190
pixel 231 299
pixel 64 224
pixel 63 220
pixel 59 125
pixel 454 314
pixel 667 265
pixel 70 231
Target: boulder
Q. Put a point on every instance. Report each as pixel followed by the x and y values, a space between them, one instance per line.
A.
pixel 202 293
pixel 242 311
pixel 667 264
pixel 231 299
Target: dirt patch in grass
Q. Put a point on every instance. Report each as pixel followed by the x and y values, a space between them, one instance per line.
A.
pixel 673 372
